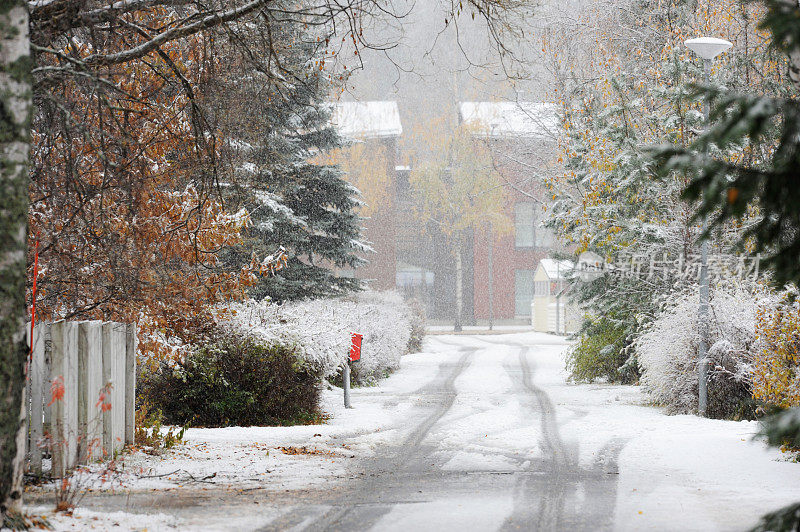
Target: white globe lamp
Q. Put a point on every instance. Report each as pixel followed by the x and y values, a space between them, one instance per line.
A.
pixel 708 47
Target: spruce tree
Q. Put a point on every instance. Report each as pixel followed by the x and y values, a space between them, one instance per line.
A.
pixel 277 125
pixel 768 123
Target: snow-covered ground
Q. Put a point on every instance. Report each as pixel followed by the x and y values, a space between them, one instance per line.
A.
pixel 84 519
pixel 675 472
pixel 236 458
pixel 448 328
pixel 668 472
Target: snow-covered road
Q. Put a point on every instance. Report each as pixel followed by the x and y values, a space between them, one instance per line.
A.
pixel 477 433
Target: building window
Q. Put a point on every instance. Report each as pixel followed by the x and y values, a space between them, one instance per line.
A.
pixel 542 288
pixel 528 229
pixel 544 235
pixel 524 225
pixel 523 292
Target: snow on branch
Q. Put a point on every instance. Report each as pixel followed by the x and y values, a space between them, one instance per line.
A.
pixel 274 262
pixel 207 22
pixel 320 329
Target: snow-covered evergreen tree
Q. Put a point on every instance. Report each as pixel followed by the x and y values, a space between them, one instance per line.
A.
pixel 275 122
pixel 610 197
pixel 609 200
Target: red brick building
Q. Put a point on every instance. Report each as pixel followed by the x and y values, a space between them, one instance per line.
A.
pixel 498 270
pixel 522 139
pixel 377 124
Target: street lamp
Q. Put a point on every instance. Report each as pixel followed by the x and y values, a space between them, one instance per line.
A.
pixel 707 48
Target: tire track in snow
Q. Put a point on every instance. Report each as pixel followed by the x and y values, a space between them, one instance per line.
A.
pixel 347 516
pixel 551 439
pixel 557 461
pixel 563 476
pixel 416 437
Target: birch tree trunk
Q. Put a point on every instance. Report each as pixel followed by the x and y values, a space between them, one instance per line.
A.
pixel 15 117
pixel 459 288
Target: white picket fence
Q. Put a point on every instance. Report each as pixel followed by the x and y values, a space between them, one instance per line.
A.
pixel 89 357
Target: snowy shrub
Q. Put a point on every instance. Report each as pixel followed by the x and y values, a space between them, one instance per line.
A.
pixel 667 356
pixel 729 394
pixel 615 309
pixel 600 353
pixel 234 380
pixel 667 352
pixel 321 330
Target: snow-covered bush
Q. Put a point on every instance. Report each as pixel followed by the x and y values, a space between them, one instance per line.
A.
pixel 321 329
pixel 667 351
pixel 600 354
pixel 385 320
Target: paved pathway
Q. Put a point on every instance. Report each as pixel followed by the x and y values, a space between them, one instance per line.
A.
pixel 416 486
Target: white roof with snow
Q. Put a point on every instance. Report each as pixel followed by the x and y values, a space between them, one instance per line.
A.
pixel 556 269
pixel 512 119
pixel 367 119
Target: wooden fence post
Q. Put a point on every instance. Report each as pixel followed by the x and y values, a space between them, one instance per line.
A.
pixel 90 383
pixel 38 374
pixel 131 344
pixel 64 411
pixel 118 391
pixel 114 373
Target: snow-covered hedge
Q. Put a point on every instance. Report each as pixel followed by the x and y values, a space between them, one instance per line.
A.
pixel 320 330
pixel 667 351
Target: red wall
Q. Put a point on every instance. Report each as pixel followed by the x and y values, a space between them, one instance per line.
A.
pixel 505 259
pixel 381 231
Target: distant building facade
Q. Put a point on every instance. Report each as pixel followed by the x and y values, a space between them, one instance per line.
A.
pixel 498 270
pixel 522 137
pixel 377 124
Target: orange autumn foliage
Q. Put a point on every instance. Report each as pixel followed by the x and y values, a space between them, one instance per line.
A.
pixel 776 366
pixel 123 195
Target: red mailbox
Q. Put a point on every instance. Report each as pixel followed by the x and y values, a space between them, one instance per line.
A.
pixel 355 346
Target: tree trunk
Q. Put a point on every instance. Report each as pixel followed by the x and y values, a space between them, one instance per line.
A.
pixel 490 264
pixel 459 288
pixel 15 111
